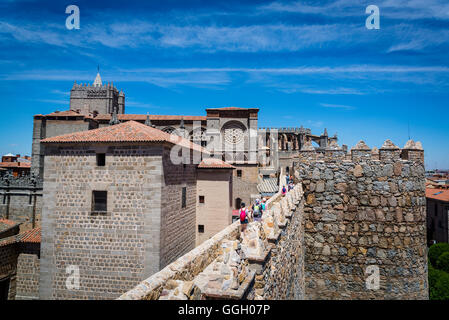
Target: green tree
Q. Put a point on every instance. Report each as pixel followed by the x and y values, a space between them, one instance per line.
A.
pixel 436 250
pixel 440 290
pixel 443 262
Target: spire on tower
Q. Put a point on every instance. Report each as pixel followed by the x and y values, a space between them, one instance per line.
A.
pixel 97 82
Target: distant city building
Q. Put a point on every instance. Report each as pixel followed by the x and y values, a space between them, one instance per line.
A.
pixel 437 214
pixel 15 164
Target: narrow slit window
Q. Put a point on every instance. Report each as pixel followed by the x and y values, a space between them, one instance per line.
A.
pixel 200 228
pixel 99 201
pixel 184 200
pixel 101 159
pixel 201 199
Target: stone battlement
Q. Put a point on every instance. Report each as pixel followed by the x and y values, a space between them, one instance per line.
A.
pixel 84 86
pixel 412 151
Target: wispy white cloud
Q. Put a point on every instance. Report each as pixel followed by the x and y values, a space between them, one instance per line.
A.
pixel 59 92
pixel 398 9
pixel 288 80
pixel 142 105
pixel 55 101
pixel 304 69
pixel 337 106
pixel 313 123
pixel 135 34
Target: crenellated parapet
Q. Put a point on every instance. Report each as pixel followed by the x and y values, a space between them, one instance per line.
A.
pixel 97 98
pixel 361 152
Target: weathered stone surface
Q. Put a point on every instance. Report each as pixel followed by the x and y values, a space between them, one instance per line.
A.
pixel 358 171
pixel 372 222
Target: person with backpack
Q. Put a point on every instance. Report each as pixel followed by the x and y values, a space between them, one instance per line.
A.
pixel 264 205
pixel 284 190
pixel 257 211
pixel 243 213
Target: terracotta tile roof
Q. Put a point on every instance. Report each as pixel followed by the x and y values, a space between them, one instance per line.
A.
pixel 30 236
pixel 15 164
pixel 437 194
pixel 214 163
pixel 143 117
pixel 67 113
pixel 129 131
pixel 6 224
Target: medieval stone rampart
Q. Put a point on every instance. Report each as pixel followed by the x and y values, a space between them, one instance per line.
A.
pixel 364 211
pixel 349 216
pixel 264 262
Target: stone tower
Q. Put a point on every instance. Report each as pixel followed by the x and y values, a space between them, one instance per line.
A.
pixel 97 98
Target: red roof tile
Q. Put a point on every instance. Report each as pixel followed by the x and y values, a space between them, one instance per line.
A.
pixel 143 117
pixel 129 131
pixel 66 113
pixel 15 164
pixel 30 236
pixel 214 163
pixel 437 194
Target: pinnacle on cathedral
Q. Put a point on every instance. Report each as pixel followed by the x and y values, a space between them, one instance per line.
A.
pixel 97 82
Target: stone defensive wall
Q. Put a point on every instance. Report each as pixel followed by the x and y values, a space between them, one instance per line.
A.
pixel 263 262
pixel 364 215
pixel 353 227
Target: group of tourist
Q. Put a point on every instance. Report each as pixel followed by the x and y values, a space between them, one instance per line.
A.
pixel 290 184
pixel 254 213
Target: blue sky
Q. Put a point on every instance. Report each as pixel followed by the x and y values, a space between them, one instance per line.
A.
pixel 306 62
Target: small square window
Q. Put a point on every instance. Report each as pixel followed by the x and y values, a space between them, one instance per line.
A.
pixel 99 201
pixel 201 228
pixel 201 199
pixel 101 159
pixel 184 200
pixel 239 173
